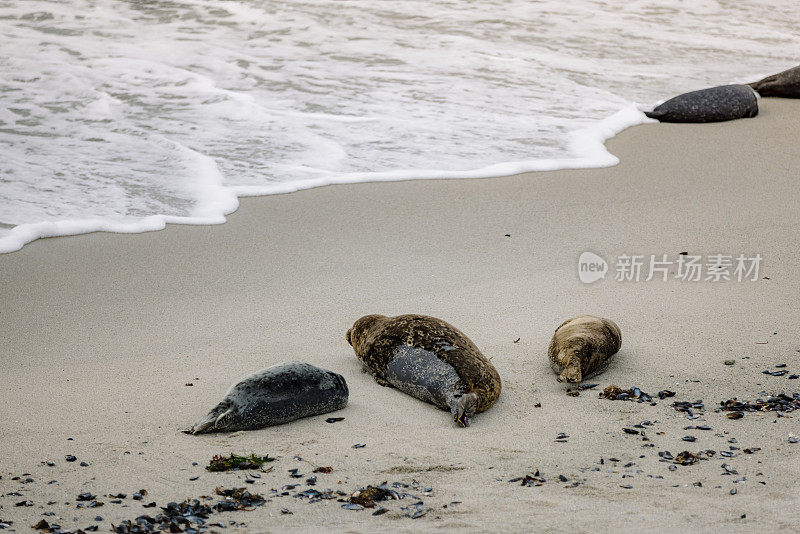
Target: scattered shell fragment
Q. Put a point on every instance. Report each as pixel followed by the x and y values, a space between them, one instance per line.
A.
pixel 730 470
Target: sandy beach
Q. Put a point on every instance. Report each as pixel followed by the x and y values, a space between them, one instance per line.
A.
pixel 102 333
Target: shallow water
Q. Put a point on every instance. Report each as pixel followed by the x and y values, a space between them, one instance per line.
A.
pixel 122 115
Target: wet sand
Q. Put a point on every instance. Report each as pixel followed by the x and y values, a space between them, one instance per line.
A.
pixel 103 332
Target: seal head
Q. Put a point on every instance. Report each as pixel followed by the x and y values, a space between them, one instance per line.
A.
pixel 429 359
pixel 582 347
pixel 785 84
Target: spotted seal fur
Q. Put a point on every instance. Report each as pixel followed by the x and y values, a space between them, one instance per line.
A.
pixel 715 104
pixel 429 359
pixel 785 84
pixel 274 396
pixel 582 347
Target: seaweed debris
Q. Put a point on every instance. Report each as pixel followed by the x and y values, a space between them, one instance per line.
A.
pixel 237 499
pixel 220 463
pixel 323 469
pixel 687 458
pixel 575 390
pixel 367 497
pixel 683 458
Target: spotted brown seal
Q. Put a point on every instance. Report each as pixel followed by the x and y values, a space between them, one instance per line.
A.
pixel 274 396
pixel 583 346
pixel 429 359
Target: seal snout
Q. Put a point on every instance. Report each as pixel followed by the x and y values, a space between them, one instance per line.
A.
pixel 571 373
pixel 206 424
pixel 347 336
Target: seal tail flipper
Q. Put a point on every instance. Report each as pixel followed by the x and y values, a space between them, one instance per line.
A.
pixel 463 408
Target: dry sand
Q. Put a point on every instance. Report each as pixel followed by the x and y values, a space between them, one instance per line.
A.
pixel 102 332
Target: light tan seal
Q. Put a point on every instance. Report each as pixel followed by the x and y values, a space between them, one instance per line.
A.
pixel 429 359
pixel 583 346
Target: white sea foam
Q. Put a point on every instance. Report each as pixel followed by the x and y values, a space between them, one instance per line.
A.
pixel 126 115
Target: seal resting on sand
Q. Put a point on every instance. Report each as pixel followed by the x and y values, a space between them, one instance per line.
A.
pixel 429 359
pixel 723 103
pixel 274 396
pixel 583 346
pixel 785 84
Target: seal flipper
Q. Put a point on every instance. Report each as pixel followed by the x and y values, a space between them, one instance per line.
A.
pixel 381 381
pixel 463 408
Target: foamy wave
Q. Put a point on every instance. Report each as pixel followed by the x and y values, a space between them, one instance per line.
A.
pixel 215 200
pixel 123 116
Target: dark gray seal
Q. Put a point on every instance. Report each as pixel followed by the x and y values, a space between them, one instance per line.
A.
pixel 582 347
pixel 274 396
pixel 429 359
pixel 716 104
pixel 785 84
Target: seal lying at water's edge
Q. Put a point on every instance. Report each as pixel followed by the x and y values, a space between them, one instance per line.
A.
pixel 583 346
pixel 716 104
pixel 429 359
pixel 785 84
pixel 274 396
